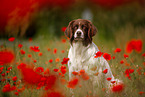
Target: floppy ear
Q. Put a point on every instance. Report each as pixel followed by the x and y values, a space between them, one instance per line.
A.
pixel 92 30
pixel 69 31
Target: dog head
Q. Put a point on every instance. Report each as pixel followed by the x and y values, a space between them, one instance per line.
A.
pixel 80 30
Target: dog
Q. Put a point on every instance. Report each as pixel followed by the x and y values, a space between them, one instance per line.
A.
pixel 82 52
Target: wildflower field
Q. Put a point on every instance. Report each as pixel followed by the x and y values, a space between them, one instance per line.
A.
pixel 34 50
pixel 38 67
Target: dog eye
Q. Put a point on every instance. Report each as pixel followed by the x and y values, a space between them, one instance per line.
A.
pixel 76 27
pixel 84 27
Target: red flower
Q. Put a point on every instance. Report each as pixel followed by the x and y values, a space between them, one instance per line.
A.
pixel 141 92
pixel 39 69
pixel 22 65
pixel 62 51
pixel 98 54
pixel 16 93
pixel 14 78
pixel 75 73
pixel 143 54
pixel 8 88
pixel 129 71
pixel 117 88
pixel 109 78
pixel 63 29
pixel 11 39
pixel 113 57
pixel 65 60
pixel 35 48
pixel 34 61
pixel 20 45
pixel 73 83
pixel 107 56
pixel 117 50
pixel 9 68
pixel 46 71
pixel 105 71
pixel 22 52
pixel 3 74
pixel 121 62
pixel 29 55
pixel 55 51
pixel 31 77
pixel 113 82
pixel 53 94
pixel 134 45
pixel 40 54
pixel 126 56
pixel 6 57
pixel 63 69
pixel 63 40
pixel 50 61
pixel 55 70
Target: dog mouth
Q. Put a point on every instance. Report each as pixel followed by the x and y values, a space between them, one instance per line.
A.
pixel 78 38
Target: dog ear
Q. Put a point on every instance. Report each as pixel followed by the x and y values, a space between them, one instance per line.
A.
pixel 92 30
pixel 69 31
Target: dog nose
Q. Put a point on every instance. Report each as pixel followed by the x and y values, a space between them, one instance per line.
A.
pixel 78 33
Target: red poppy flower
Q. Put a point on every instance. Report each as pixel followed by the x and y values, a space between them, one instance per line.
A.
pixel 63 29
pixel 143 54
pixel 63 40
pixel 75 73
pixel 29 55
pixel 11 39
pixel 35 48
pixel 3 74
pixel 121 62
pixel 50 61
pixel 85 76
pixel 46 71
pixel 62 51
pixel 20 45
pixel 117 88
pixel 6 57
pixel 34 61
pixel 105 71
pixel 55 70
pixel 113 82
pixel 117 50
pixel 39 69
pixel 53 94
pixel 134 45
pixel 113 57
pixel 40 54
pixel 98 54
pixel 126 56
pixel 65 60
pixel 16 93
pixel 73 83
pixel 9 68
pixel 31 77
pixel 55 51
pixel 128 72
pixel 14 78
pixel 141 92
pixel 8 88
pixel 107 56
pixel 109 78
pixel 22 52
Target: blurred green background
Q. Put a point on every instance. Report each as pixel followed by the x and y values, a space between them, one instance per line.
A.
pixel 46 18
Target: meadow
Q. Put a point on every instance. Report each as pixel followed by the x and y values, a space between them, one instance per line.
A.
pixel 37 66
pixel 47 58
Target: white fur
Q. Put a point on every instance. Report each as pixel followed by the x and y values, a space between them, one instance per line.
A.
pixel 82 57
pixel 82 34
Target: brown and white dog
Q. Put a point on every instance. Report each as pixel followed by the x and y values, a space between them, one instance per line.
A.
pixel 83 50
